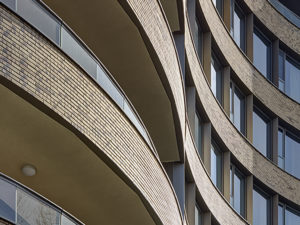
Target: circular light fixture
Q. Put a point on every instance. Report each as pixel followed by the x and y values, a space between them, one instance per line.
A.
pixel 28 170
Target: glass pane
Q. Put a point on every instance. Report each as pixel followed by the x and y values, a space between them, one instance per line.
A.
pixel 291 217
pixel 261 54
pixel 237 193
pixel 40 18
pixel 109 87
pixel 292 79
pixel 239 110
pixel 280 143
pixel 34 212
pixel 198 219
pixel 198 39
pixel 260 209
pixel 216 79
pixel 7 201
pixel 231 102
pixel 281 85
pixel 292 154
pixel 260 134
pixel 198 133
pixel 281 65
pixel 78 53
pixel 238 27
pixel 280 215
pixel 66 221
pixel 216 167
pixel 10 4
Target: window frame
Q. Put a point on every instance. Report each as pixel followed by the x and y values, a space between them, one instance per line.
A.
pixel 284 208
pixel 268 197
pixel 199 35
pixel 268 121
pixel 219 179
pixel 233 89
pixel 199 139
pixel 215 62
pixel 268 43
pixel 199 213
pixel 233 7
pixel 234 170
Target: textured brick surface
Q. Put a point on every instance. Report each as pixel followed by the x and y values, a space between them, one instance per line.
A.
pixel 214 200
pixel 278 180
pixel 269 95
pixel 152 21
pixel 35 65
pixel 276 23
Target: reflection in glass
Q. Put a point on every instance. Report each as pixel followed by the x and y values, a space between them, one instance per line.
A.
pixel 216 78
pixel 237 108
pixel 238 25
pixel 292 79
pixel 237 190
pixel 261 208
pixel 219 5
pixel 262 53
pixel 7 201
pixel 34 212
pixel 261 132
pixel 216 166
pixel 288 215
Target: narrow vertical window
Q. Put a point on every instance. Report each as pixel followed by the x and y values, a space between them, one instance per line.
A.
pixel 199 39
pixel 216 78
pixel 237 108
pixel 216 166
pixel 198 133
pixel 237 190
pixel 219 6
pixel 292 78
pixel 261 208
pixel 288 215
pixel 198 215
pixel 238 25
pixel 262 53
pixel 261 132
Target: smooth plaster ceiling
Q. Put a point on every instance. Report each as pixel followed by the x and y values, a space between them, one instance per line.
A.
pixel 106 28
pixel 68 172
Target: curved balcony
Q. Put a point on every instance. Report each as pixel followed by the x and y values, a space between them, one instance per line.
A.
pixel 45 21
pixel 214 200
pixel 68 117
pixel 276 22
pixel 20 205
pixel 262 168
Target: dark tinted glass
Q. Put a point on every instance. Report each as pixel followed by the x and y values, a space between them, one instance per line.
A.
pixel 40 18
pixel 261 209
pixel 198 39
pixel 239 110
pixel 7 201
pixel 198 133
pixel 219 5
pixel 262 53
pixel 261 132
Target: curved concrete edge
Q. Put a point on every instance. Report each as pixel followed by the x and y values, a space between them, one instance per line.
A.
pixel 280 104
pixel 214 200
pixel 153 26
pixel 263 169
pixel 40 73
pixel 282 28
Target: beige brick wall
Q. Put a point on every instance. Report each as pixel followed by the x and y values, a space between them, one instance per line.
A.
pixel 271 175
pixel 33 64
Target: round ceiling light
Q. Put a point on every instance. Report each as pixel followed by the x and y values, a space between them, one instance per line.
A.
pixel 28 170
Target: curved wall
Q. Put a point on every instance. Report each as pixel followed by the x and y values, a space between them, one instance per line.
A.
pixel 271 175
pixel 36 70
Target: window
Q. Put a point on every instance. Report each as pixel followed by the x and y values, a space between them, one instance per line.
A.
pixel 198 133
pixel 199 39
pixel 237 108
pixel 238 25
pixel 216 165
pixel 216 78
pixel 237 190
pixel 288 215
pixel 219 6
pixel 261 207
pixel 7 201
pixel 198 215
pixel 261 132
pixel 289 76
pixel 289 152
pixel 262 53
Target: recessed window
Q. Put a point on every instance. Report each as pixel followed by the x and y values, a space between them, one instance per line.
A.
pixel 198 215
pixel 7 201
pixel 199 39
pixel 287 215
pixel 262 132
pixel 216 78
pixel 238 25
pixel 216 165
pixel 289 76
pixel 262 53
pixel 261 207
pixel 198 133
pixel 289 152
pixel 219 6
pixel 237 190
pixel 237 107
